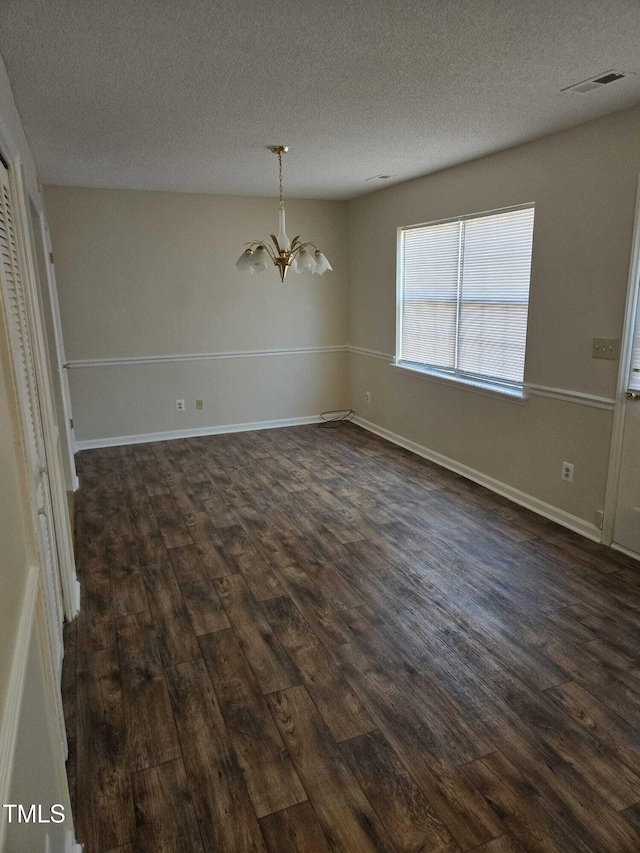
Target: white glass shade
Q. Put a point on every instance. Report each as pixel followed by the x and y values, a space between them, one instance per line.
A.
pixel 322 264
pixel 305 261
pixel 245 260
pixel 260 259
pixel 283 241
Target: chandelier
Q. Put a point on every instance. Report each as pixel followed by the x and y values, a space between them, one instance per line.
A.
pixel 284 253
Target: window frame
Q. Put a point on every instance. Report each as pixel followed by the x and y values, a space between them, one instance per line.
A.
pixel 515 391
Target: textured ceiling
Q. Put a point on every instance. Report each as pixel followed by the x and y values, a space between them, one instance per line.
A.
pixel 185 94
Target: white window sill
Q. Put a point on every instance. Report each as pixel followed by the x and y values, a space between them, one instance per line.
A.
pixel 492 389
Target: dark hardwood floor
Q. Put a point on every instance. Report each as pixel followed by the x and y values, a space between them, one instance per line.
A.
pixel 310 640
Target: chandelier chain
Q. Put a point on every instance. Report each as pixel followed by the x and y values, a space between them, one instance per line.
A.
pixel 280 175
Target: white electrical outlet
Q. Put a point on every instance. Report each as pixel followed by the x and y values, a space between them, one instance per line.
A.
pixel 180 405
pixel 199 404
pixel 367 396
pixel 567 472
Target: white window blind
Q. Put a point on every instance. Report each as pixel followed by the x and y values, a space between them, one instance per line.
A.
pixel 465 295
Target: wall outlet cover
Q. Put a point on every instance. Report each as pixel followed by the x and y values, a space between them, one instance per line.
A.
pixel 567 472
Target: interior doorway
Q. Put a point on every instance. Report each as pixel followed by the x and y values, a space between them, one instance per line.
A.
pixel 622 517
pixel 55 345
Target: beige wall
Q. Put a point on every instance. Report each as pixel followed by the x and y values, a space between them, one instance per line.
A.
pixel 583 182
pixel 152 274
pixel 149 274
pixel 133 398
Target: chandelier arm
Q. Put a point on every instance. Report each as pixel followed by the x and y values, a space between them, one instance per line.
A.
pixel 270 251
pixel 264 245
pixel 277 245
pixel 302 246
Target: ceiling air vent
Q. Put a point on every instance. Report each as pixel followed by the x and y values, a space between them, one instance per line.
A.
pixel 598 82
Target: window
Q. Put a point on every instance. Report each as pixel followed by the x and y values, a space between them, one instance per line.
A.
pixel 464 297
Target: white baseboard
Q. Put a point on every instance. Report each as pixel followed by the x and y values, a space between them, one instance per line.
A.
pixel 626 551
pixel 145 438
pixel 71 845
pixel 578 525
pixel 74 604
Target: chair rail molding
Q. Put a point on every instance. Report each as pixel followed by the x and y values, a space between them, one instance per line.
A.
pixel 531 389
pixel 73 364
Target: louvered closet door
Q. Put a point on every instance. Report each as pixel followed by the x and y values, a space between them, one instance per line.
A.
pixel 25 377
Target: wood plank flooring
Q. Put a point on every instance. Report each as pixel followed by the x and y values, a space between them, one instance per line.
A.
pixel 307 640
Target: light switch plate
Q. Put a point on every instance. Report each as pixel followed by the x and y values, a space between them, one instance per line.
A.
pixel 606 348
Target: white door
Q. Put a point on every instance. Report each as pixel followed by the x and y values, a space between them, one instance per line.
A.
pixel 25 375
pixel 627 525
pixel 47 290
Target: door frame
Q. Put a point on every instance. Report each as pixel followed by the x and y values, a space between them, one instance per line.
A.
pixel 68 442
pixel 626 348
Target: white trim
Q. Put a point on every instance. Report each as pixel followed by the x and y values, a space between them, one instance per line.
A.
pixel 527 205
pixel 626 347
pixel 145 438
pixel 198 356
pixel 8 147
pixel 371 353
pixel 490 389
pixel 55 722
pixel 399 292
pixel 574 523
pixel 13 702
pixel 579 397
pixel 626 551
pixel 50 284
pixel 73 590
pixel 530 389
